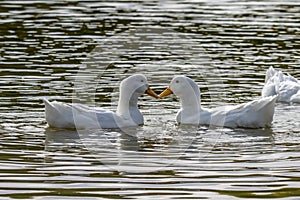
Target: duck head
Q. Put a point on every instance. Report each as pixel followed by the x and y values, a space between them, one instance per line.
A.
pixel 189 94
pixel 183 87
pixel 137 84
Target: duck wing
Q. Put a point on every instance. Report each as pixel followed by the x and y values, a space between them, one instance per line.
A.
pixel 254 114
pixel 64 115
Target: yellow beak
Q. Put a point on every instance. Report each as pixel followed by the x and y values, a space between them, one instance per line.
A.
pixel 151 93
pixel 165 93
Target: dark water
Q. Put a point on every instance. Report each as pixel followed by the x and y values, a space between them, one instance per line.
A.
pixel 80 50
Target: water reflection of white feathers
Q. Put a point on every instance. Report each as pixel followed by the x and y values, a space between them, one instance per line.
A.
pixel 137 149
pixel 61 139
pixel 153 148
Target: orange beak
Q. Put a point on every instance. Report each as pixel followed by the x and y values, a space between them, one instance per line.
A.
pixel 151 93
pixel 165 93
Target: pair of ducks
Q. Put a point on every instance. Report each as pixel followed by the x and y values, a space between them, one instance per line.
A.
pixel 254 114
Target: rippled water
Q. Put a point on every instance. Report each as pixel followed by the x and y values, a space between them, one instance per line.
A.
pixel 80 50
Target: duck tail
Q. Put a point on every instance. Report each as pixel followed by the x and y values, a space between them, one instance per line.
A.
pixel 50 112
pixel 266 103
pixel 47 103
pixel 266 108
pixel 57 114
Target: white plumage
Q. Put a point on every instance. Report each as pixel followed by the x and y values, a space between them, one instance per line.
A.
pixel 255 114
pixel 63 115
pixel 285 86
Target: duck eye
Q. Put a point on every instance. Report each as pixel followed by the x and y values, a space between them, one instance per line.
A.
pixel 177 81
pixel 142 81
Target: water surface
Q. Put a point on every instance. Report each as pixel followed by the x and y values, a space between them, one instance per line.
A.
pixel 71 50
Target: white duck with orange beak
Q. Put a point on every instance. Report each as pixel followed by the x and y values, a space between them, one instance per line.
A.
pixel 254 114
pixel 64 115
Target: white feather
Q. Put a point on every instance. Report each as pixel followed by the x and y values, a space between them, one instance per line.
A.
pixel 285 86
pixel 254 114
pixel 63 115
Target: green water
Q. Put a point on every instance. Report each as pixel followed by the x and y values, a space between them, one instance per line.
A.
pixel 80 50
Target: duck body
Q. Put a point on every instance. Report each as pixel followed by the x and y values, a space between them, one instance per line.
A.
pixel 79 116
pixel 254 114
pixel 65 115
pixel 285 86
pixel 296 97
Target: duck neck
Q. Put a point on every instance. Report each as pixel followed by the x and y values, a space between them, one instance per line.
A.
pixel 191 104
pixel 127 103
pixel 128 107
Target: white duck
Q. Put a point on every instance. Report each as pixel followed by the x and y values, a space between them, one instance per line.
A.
pixel 255 114
pixel 286 86
pixel 63 115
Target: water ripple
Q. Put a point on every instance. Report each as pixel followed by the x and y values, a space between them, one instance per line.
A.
pixel 226 46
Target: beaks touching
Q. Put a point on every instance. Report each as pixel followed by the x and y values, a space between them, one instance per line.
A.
pixel 151 93
pixel 165 93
